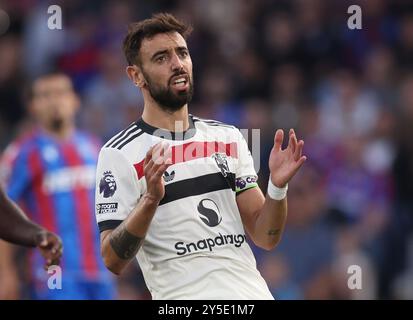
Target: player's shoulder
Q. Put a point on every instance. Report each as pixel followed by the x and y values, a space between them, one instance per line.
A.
pixel 24 142
pixel 20 148
pixel 124 137
pixel 127 144
pixel 211 123
pixel 217 129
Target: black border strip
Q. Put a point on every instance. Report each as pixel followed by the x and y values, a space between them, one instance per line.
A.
pixel 196 186
pixel 109 225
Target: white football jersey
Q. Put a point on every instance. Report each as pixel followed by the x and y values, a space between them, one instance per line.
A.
pixel 195 247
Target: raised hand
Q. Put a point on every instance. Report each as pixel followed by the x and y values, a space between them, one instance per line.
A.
pixel 157 160
pixel 284 164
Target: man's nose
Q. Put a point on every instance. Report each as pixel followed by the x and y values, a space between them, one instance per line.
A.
pixel 176 63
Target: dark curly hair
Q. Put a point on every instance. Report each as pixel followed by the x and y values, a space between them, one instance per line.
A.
pixel 158 23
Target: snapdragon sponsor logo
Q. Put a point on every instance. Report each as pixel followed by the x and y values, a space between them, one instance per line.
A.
pixel 209 212
pixel 209 244
pixel 227 142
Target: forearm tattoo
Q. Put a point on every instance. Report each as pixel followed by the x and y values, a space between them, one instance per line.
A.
pixel 125 244
pixel 273 232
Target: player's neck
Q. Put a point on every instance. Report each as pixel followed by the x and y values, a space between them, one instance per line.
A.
pixel 172 121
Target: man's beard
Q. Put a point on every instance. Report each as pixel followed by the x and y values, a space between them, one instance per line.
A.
pixel 166 99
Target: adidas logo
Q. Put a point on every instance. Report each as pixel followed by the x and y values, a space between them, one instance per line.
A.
pixel 169 176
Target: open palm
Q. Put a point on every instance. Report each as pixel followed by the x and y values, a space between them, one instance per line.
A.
pixel 284 164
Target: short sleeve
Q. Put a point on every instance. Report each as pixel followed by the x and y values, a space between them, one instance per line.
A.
pixel 117 189
pixel 14 171
pixel 245 175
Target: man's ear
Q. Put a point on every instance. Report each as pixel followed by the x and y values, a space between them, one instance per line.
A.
pixel 135 74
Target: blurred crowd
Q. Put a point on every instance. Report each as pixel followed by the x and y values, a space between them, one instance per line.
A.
pixel 264 64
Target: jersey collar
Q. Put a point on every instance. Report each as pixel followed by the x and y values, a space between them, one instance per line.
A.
pixel 166 134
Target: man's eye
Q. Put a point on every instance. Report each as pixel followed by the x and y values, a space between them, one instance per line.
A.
pixel 161 59
pixel 184 54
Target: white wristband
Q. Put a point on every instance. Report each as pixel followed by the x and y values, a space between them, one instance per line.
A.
pixel 275 192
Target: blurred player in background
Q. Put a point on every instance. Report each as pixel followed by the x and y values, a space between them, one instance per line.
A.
pixel 51 172
pixel 185 213
pixel 16 228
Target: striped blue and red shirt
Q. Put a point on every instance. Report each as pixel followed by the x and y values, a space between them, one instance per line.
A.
pixel 54 181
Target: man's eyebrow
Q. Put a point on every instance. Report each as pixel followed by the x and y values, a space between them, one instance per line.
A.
pixel 157 53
